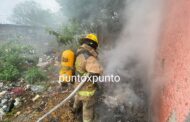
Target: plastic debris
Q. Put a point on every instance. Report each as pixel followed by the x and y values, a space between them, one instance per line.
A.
pixel 35 98
pixel 2 93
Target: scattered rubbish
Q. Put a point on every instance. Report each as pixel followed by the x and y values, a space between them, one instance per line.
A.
pixel 37 88
pixel 2 93
pixel 35 98
pixel 27 87
pixel 1 84
pixel 44 64
pixel 2 113
pixel 41 106
pixel 4 107
pixel 17 90
pixel 17 113
pixel 10 106
pixel 17 102
pixel 3 101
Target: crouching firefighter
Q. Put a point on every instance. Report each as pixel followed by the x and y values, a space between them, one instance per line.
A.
pixel 87 64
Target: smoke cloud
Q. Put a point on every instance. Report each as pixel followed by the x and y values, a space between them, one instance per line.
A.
pixel 134 54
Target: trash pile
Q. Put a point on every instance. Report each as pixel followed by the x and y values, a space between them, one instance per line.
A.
pixel 13 95
pixel 45 61
pixel 17 97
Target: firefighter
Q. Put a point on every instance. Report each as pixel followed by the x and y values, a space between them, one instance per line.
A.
pixel 87 63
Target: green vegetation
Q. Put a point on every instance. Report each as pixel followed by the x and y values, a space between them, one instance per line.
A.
pixel 99 16
pixel 34 74
pixel 67 33
pixel 67 36
pixel 16 61
pixel 9 72
pixel 102 17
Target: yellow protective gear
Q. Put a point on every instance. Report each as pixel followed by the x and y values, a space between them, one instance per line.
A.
pixel 86 93
pixel 67 66
pixel 87 107
pixel 92 37
pixel 87 63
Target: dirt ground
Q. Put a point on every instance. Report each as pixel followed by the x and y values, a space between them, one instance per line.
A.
pixel 32 111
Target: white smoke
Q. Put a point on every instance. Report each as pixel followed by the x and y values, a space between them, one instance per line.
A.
pixel 133 56
pixel 139 36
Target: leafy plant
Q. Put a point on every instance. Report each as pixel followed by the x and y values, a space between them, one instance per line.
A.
pixel 15 60
pixel 9 72
pixel 66 33
pixel 35 75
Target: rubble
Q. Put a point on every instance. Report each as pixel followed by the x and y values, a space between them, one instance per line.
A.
pixel 1 84
pixel 37 88
pixel 10 105
pixel 17 113
pixel 17 102
pixel 2 113
pixel 45 61
pixel 2 93
pixel 43 64
pixel 17 91
pixel 23 102
pixel 36 97
pixel 3 101
pixel 27 87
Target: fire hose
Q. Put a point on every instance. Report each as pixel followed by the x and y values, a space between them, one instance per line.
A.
pixel 63 102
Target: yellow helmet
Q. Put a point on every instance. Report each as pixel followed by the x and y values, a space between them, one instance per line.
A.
pixel 92 37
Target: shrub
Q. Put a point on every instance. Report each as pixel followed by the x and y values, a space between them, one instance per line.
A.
pixel 67 33
pixel 35 75
pixel 15 60
pixel 9 72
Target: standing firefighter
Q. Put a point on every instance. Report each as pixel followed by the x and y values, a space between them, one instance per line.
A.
pixel 87 63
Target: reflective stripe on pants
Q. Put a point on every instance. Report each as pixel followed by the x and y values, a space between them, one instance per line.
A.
pixel 86 93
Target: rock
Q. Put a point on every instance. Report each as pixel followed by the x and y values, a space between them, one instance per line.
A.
pixel 37 88
pixel 2 113
pixel 17 102
pixel 7 96
pixel 1 84
pixel 4 107
pixel 27 87
pixel 12 84
pixel 3 101
pixel 35 98
pixel 2 93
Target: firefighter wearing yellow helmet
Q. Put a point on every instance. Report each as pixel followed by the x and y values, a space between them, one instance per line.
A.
pixel 87 63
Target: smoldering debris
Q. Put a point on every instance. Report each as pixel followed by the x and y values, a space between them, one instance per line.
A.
pixel 123 102
pixel 133 59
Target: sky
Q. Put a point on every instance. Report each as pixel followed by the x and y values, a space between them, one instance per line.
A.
pixel 7 6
